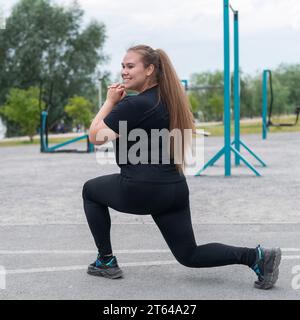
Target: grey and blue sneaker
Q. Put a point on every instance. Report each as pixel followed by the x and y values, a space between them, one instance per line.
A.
pixel 266 267
pixel 105 268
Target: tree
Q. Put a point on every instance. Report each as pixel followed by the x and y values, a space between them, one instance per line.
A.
pixel 207 95
pixel 23 107
pixel 45 45
pixel 287 92
pixel 215 104
pixel 246 96
pixel 80 110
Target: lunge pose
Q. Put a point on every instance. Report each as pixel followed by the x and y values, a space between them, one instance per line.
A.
pixel 150 182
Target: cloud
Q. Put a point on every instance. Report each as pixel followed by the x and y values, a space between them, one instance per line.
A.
pixel 192 31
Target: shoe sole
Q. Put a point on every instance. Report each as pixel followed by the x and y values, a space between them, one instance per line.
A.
pixel 272 277
pixel 106 273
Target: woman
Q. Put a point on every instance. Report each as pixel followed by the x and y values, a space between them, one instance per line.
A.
pixel 157 187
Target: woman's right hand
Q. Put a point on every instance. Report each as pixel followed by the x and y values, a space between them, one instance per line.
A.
pixel 116 92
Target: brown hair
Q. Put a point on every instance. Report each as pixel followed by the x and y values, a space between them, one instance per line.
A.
pixel 172 94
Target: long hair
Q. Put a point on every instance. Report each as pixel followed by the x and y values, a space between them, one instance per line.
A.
pixel 172 94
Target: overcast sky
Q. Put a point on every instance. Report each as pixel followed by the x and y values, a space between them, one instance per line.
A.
pixel 191 31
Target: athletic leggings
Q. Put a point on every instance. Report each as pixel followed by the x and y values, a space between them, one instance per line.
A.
pixel 168 204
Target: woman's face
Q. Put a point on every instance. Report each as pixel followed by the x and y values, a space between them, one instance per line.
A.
pixel 135 76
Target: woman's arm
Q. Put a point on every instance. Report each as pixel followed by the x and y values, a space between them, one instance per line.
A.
pixel 99 132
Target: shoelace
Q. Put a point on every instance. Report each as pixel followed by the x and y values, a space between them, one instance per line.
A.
pixel 100 262
pixel 256 268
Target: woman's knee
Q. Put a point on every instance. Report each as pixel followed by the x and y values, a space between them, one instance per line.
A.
pixel 185 261
pixel 86 189
pixel 186 258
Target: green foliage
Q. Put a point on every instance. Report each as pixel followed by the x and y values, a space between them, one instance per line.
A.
pixel 45 45
pixel 288 79
pixel 80 110
pixel 208 100
pixel 206 96
pixel 23 108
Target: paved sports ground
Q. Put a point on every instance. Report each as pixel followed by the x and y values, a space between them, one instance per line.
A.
pixel 45 243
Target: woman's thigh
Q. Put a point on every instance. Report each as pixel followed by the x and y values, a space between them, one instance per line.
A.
pixel 125 195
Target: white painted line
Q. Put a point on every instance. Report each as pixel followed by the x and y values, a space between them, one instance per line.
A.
pixel 41 224
pixel 126 264
pixel 74 268
pixel 129 251
pixel 290 257
pixel 20 252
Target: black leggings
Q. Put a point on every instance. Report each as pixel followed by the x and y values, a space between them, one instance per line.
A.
pixel 169 207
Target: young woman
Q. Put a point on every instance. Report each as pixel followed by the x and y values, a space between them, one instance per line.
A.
pixel 155 187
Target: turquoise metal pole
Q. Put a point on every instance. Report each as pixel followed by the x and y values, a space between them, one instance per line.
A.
pixel 236 92
pixel 44 144
pixel 264 104
pixel 227 150
pixel 185 84
pixel 67 142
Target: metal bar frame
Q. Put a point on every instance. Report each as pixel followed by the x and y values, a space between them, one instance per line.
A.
pixel 228 148
pixel 44 139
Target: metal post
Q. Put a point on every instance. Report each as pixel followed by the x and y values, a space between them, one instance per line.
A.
pixel 236 92
pixel 44 132
pixel 264 104
pixel 227 154
pixel 228 148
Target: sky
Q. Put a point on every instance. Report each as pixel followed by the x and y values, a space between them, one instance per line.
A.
pixel 191 31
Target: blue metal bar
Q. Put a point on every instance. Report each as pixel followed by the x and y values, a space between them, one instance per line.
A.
pixel 264 104
pixel 227 146
pixel 226 149
pixel 236 92
pixel 44 145
pixel 245 161
pixel 44 140
pixel 67 142
pixel 185 84
pixel 251 152
pixel 211 161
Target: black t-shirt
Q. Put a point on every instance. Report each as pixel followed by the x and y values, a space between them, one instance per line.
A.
pixel 140 154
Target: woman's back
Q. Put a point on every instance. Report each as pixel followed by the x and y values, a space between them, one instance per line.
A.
pixel 142 150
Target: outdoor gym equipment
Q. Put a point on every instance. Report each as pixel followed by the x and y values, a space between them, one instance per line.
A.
pixel 228 145
pixel 267 116
pixel 56 148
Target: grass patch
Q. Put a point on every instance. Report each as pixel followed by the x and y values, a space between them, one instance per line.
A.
pixel 36 141
pixel 246 127
pixel 251 127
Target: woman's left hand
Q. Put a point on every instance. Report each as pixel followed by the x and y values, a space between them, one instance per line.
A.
pixel 116 92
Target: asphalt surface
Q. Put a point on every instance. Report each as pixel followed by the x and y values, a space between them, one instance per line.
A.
pixel 45 243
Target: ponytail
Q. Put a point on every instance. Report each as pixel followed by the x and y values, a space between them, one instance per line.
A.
pixel 172 94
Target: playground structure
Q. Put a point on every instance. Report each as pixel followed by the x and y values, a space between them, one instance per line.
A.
pixel 267 112
pixel 237 143
pixel 229 146
pixel 44 145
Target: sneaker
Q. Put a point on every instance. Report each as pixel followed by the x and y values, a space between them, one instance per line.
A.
pixel 108 269
pixel 266 267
